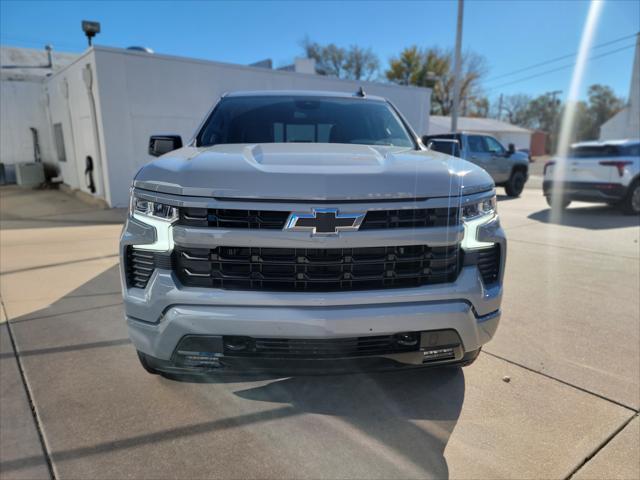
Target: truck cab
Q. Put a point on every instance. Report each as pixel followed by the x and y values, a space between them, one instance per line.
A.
pixel 507 167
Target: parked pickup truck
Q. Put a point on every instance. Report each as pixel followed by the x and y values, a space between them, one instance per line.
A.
pixel 304 231
pixel 508 168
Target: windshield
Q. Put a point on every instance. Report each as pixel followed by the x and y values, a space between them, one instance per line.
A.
pixel 293 119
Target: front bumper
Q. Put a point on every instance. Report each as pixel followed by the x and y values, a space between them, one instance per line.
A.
pixel 585 191
pixel 163 313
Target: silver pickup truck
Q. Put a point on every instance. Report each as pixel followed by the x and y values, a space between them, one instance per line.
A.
pixel 304 231
pixel 508 168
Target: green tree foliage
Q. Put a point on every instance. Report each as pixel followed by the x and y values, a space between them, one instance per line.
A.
pixel 545 113
pixel 354 62
pixel 603 104
pixel 433 68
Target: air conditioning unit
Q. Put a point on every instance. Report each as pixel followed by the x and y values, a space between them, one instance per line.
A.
pixel 29 174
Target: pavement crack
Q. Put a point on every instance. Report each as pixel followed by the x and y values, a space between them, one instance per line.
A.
pixel 602 444
pixel 551 377
pixel 563 247
pixel 23 378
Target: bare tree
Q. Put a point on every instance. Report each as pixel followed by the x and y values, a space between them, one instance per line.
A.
pixel 361 63
pixel 515 108
pixel 356 63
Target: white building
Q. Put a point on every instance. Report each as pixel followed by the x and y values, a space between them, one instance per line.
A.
pixel 626 123
pixel 23 115
pixel 105 104
pixel 505 132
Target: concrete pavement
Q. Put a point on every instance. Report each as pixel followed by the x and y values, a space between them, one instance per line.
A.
pixel 568 342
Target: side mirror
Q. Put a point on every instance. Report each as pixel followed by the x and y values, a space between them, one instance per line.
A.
pixel 161 144
pixel 426 140
pixel 511 149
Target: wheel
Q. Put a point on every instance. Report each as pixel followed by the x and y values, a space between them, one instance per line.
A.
pixel 631 202
pixel 563 203
pixel 515 184
pixel 143 361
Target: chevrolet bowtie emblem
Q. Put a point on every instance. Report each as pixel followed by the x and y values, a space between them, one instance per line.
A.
pixel 325 221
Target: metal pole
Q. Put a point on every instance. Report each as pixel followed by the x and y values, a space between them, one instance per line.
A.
pixel 500 108
pixel 456 70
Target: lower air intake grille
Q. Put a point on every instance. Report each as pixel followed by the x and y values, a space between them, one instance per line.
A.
pixel 300 269
pixel 140 265
pixel 322 348
pixel 489 264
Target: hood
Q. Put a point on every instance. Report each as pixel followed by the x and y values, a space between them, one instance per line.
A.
pixel 311 171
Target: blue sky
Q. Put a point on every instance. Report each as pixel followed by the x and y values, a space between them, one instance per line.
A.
pixel 510 34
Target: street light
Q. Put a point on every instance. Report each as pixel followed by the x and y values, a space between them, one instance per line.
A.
pixel 90 29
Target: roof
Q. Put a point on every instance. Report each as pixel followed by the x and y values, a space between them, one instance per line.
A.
pixel 596 143
pixel 473 124
pixel 300 93
pixel 30 64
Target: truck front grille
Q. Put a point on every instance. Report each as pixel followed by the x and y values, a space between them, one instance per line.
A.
pixel 276 220
pixel 301 269
pixel 224 218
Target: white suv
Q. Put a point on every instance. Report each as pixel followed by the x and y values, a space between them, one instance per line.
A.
pixel 606 172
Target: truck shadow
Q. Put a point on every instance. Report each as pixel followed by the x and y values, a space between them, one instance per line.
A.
pixel 390 424
pixel 407 414
pixel 597 217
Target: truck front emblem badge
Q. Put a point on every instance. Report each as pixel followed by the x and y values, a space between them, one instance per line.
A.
pixel 325 221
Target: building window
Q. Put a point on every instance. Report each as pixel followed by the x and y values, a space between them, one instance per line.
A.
pixel 59 141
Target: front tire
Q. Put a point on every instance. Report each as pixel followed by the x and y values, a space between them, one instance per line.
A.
pixel 563 202
pixel 515 184
pixel 631 202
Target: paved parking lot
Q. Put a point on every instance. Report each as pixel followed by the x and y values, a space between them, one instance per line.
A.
pixel 76 404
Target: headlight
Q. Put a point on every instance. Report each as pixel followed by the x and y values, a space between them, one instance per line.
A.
pixel 153 209
pixel 472 211
pixel 473 216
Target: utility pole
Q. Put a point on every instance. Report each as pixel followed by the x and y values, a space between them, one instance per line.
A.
pixel 457 68
pixel 500 108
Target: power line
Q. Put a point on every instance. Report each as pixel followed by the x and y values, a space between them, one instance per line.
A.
pixel 546 72
pixel 553 60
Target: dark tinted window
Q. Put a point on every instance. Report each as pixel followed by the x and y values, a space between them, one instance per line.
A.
pixel 282 119
pixel 476 143
pixel 631 150
pixel 444 146
pixel 594 151
pixel 493 145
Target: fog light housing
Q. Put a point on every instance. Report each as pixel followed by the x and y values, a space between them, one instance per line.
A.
pixel 409 339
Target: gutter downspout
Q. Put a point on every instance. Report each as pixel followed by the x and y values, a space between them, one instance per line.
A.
pixel 87 76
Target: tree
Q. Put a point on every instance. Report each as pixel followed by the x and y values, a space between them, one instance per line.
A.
pixel 355 63
pixel 515 109
pixel 479 108
pixel 361 63
pixel 603 104
pixel 405 69
pixel 433 68
pixel 543 113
